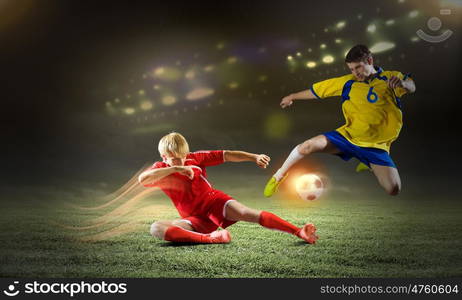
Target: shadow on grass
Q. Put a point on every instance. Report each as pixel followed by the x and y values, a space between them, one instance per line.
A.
pixel 179 244
pixel 301 243
pixel 184 244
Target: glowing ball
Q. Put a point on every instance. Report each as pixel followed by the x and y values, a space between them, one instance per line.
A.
pixel 309 187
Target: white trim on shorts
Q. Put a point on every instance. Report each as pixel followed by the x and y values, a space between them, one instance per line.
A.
pixel 224 207
pixel 186 221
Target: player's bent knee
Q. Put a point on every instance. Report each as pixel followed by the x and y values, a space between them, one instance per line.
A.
pixel 394 189
pixel 313 145
pixel 306 147
pixel 157 230
pixel 244 214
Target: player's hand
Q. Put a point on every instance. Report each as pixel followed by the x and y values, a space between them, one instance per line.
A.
pixel 186 171
pixel 287 101
pixel 262 160
pixel 395 82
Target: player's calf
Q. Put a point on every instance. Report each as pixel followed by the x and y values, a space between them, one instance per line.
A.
pixel 178 234
pixel 272 221
pixel 178 231
pixel 236 211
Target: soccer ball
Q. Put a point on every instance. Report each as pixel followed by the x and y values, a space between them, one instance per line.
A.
pixel 309 187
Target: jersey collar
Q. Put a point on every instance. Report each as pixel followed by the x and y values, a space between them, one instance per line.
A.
pixel 379 71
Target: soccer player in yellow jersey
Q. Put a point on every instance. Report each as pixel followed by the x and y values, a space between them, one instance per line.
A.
pixel 372 110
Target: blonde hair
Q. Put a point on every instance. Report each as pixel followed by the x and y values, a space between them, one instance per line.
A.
pixel 173 144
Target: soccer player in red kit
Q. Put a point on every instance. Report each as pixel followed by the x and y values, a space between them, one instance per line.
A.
pixel 182 176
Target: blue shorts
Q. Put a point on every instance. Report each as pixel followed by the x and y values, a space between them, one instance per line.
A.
pixel 365 155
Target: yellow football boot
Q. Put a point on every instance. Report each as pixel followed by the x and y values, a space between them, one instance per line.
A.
pixel 272 186
pixel 361 167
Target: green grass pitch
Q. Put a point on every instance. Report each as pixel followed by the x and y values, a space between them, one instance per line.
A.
pixel 360 236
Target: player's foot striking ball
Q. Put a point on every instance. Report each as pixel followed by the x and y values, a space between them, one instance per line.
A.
pixel 371 104
pixel 272 185
pixel 182 176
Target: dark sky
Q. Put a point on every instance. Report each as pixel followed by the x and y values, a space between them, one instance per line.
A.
pixel 62 60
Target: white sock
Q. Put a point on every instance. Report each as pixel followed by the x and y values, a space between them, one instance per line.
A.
pixel 291 160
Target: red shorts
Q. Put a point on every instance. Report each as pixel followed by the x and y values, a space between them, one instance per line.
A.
pixel 214 218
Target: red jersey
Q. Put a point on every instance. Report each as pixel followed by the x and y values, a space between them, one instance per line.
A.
pixel 191 196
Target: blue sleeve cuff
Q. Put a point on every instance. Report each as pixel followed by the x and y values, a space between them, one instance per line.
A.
pixel 314 93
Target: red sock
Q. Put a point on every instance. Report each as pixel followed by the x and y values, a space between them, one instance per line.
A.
pixel 178 234
pixel 271 221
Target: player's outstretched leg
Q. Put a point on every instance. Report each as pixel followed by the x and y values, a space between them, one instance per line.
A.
pixel 182 232
pixel 236 211
pixel 316 144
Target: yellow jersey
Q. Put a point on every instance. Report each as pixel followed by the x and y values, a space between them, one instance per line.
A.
pixel 372 110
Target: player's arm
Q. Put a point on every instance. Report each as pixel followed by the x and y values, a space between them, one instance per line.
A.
pixel 261 160
pixel 303 95
pixel 407 84
pixel 153 175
